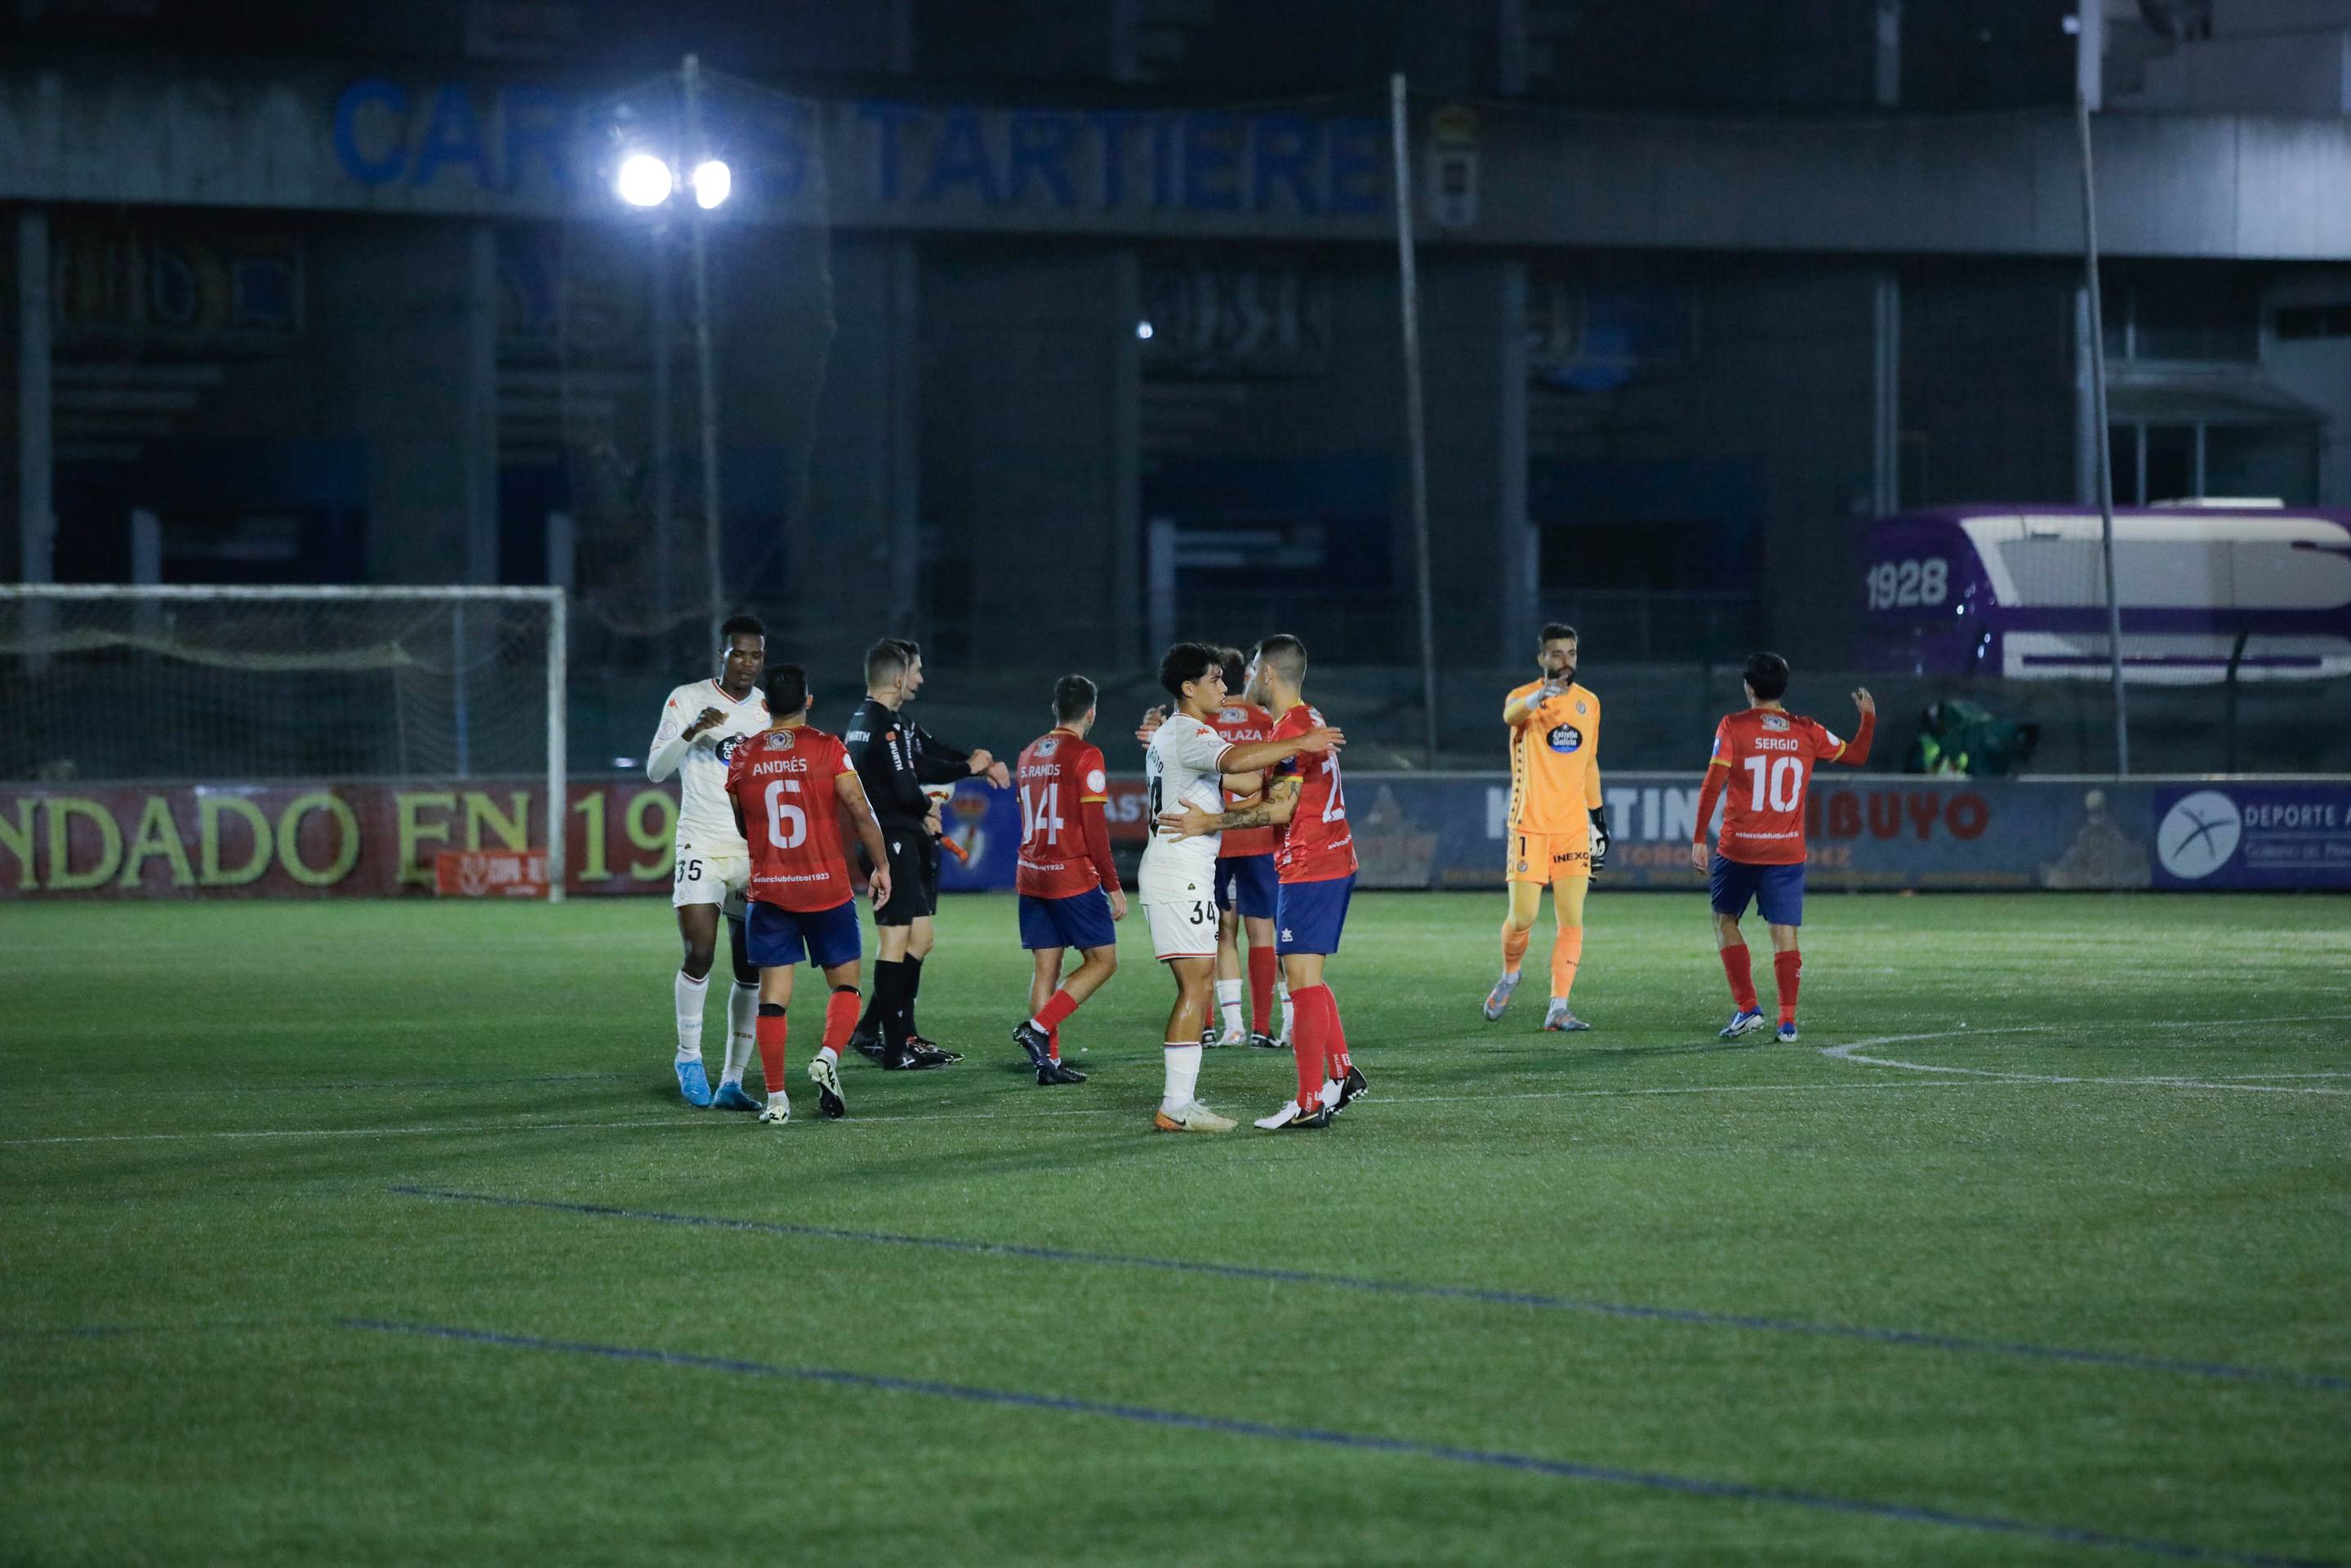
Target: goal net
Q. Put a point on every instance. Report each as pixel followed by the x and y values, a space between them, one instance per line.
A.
pixel 235 685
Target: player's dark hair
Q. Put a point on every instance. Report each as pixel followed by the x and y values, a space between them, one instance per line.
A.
pixel 885 662
pixel 1186 661
pixel 1767 676
pixel 735 626
pixel 1074 697
pixel 1236 663
pixel 907 645
pixel 786 689
pixel 1557 631
pixel 1285 656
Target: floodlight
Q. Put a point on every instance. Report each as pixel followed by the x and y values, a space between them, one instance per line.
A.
pixel 645 181
pixel 712 183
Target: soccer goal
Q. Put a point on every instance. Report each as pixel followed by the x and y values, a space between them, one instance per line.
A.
pixel 179 683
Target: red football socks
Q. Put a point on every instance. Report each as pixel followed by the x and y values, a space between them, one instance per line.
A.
pixel 1316 1017
pixel 1742 978
pixel 839 1020
pixel 1053 1044
pixel 1790 968
pixel 1335 1060
pixel 1263 967
pixel 1566 953
pixel 1058 1007
pixel 770 1033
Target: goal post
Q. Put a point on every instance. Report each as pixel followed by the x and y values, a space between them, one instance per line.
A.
pixel 103 682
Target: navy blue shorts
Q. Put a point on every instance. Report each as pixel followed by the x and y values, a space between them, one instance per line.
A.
pixel 1080 921
pixel 1246 882
pixel 779 939
pixel 1311 915
pixel 1778 891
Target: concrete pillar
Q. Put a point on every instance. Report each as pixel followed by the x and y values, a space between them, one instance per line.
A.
pixel 1482 548
pixel 398 331
pixel 1886 401
pixel 37 523
pixel 1030 423
pixel 856 562
pixel 478 437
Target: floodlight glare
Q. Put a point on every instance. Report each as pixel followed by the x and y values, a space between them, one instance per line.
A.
pixel 1142 331
pixel 645 181
pixel 712 181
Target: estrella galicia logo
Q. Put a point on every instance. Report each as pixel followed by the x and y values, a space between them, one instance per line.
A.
pixel 1566 738
pixel 726 748
pixel 2198 834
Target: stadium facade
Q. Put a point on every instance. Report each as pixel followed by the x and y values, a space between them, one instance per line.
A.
pixel 1050 329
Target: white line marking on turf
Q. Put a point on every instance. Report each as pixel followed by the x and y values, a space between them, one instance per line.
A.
pixel 675 1124
pixel 1852 1052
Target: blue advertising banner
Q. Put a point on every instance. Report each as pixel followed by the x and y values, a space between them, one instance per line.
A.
pixel 1865 831
pixel 2248 835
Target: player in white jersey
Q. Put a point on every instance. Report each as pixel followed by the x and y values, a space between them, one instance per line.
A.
pixel 699 727
pixel 1188 764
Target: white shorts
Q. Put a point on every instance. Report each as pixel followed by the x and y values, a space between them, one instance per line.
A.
pixel 1183 926
pixel 701 877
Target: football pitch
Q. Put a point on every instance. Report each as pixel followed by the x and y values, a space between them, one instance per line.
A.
pixel 376 1234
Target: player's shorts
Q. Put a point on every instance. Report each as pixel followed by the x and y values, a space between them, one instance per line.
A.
pixel 1544 858
pixel 1182 926
pixel 1081 921
pixel 778 938
pixel 1311 915
pixel 1246 882
pixel 913 877
pixel 1778 891
pixel 702 877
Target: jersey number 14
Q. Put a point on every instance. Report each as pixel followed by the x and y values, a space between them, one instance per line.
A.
pixel 1040 813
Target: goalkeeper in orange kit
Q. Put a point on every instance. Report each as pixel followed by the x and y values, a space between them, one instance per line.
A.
pixel 1558 826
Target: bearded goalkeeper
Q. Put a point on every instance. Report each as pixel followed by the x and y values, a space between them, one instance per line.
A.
pixel 1559 828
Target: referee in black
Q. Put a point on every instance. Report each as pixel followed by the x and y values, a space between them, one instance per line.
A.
pixel 894 758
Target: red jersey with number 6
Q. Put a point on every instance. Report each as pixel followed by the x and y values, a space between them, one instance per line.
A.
pixel 1318 845
pixel 782 782
pixel 1770 755
pixel 1061 776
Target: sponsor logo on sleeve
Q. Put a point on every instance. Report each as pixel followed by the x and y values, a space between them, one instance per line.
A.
pixel 1095 782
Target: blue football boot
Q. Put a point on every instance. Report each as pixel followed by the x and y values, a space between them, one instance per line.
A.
pixel 694 1083
pixel 1745 1022
pixel 1788 1032
pixel 731 1097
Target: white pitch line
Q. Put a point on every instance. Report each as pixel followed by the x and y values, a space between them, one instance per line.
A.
pixel 675 1124
pixel 1852 1052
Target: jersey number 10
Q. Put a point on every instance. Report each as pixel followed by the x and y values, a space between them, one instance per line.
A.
pixel 1786 775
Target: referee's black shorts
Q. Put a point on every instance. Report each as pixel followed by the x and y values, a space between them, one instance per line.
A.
pixel 913 876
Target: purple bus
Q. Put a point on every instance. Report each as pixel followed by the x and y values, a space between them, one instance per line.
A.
pixel 2021 591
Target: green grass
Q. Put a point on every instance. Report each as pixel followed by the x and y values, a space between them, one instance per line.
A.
pixel 203 1111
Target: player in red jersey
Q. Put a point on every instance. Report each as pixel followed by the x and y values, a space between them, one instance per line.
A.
pixel 1762 765
pixel 788 784
pixel 1247 889
pixel 1305 797
pixel 1069 889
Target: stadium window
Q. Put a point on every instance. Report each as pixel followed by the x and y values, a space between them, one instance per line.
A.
pixel 2306 321
pixel 2193 317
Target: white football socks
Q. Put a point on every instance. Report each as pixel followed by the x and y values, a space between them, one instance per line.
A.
pixel 1182 1075
pixel 690 992
pixel 742 1030
pixel 1228 1002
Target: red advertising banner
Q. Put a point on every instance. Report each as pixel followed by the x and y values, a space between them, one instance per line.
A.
pixel 489 874
pixel 318 839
